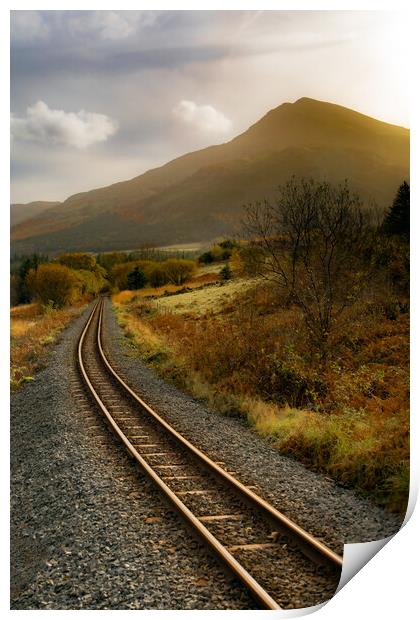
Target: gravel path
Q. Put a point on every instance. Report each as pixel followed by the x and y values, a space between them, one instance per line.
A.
pixel 88 531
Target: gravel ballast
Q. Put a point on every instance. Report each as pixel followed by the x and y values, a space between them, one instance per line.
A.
pixel 88 530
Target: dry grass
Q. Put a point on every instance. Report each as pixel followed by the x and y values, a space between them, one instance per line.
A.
pixel 124 297
pixel 33 331
pixel 205 300
pixel 244 355
pixel 200 281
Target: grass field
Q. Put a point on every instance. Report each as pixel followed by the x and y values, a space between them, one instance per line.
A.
pixel 233 347
pixel 33 330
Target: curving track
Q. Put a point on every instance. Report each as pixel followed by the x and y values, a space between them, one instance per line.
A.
pixel 281 564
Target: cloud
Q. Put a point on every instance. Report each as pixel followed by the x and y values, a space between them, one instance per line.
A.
pixel 77 129
pixel 202 117
pixel 111 25
pixel 27 26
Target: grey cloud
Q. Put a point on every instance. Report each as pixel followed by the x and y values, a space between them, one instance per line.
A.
pixel 28 26
pixel 35 61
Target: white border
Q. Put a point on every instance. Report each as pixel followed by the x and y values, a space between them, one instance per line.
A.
pixel 386 587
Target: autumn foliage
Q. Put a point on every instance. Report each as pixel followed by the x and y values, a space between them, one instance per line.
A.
pixel 53 284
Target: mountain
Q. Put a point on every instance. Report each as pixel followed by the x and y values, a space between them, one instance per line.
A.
pixel 20 212
pixel 200 195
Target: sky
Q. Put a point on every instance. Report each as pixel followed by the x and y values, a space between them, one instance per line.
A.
pixel 102 96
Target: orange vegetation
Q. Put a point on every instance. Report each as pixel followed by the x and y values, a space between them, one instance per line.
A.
pixel 33 330
pixel 347 416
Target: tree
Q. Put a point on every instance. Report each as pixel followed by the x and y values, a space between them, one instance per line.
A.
pixel 397 220
pixel 250 260
pixel 157 276
pixel 78 260
pixel 226 272
pixel 228 244
pixel 22 293
pixel 315 242
pixel 119 274
pixel 136 279
pixel 206 258
pixel 110 259
pixel 90 282
pixel 53 284
pixel 179 270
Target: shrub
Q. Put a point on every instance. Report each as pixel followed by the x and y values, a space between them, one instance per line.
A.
pixel 226 272
pixel 123 297
pixel 251 260
pixel 179 270
pixel 289 385
pixel 220 251
pixel 354 424
pixel 206 258
pixel 157 276
pixel 228 244
pixel 53 283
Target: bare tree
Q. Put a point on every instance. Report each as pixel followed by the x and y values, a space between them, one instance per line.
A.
pixel 315 241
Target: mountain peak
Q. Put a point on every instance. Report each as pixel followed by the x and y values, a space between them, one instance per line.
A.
pixel 310 122
pixel 199 196
pixel 307 100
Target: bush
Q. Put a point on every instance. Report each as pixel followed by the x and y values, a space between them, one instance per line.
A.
pixel 220 251
pixel 179 270
pixel 288 385
pixel 251 260
pixel 53 284
pixel 228 244
pixel 157 276
pixel 226 272
pixel 206 258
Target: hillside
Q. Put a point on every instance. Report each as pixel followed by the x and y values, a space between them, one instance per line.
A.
pixel 21 212
pixel 200 195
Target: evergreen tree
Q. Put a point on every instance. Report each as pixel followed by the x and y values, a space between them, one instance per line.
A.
pixel 23 295
pixel 136 279
pixel 226 272
pixel 397 220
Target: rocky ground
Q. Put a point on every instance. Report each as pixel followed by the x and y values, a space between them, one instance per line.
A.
pixel 88 531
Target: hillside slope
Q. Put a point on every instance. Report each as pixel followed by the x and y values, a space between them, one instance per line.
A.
pixel 200 195
pixel 20 212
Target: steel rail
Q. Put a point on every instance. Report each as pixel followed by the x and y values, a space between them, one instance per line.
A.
pixel 309 545
pixel 251 584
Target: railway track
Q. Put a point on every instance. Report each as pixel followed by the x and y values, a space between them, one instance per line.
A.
pixel 281 564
